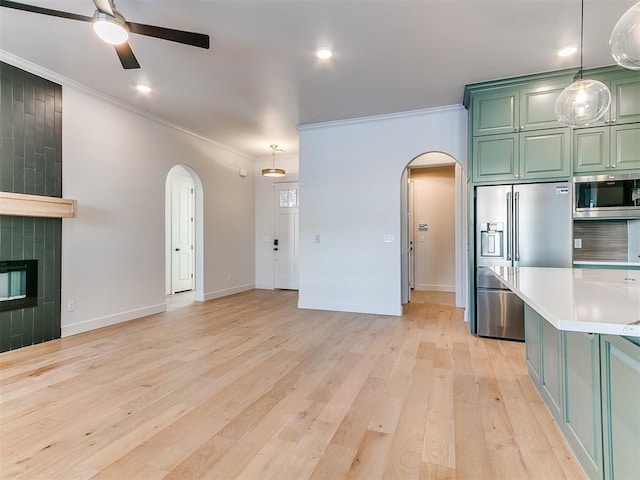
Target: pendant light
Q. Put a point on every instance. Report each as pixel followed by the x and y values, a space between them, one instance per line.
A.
pixel 584 101
pixel 273 171
pixel 625 39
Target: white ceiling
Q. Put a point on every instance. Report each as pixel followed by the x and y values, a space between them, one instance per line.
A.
pixel 260 78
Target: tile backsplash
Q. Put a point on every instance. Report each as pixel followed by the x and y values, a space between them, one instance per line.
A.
pixel 607 240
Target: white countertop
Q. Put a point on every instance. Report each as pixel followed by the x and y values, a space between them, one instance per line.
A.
pixel 579 299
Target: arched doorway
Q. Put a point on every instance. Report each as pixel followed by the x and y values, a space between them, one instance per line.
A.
pixel 183 234
pixel 433 228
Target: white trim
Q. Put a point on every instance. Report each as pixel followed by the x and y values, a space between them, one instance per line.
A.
pixel 355 308
pixel 95 323
pixel 378 118
pixel 264 286
pixel 64 81
pixel 225 292
pixel 424 287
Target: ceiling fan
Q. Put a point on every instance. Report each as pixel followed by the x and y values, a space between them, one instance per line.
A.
pixel 111 26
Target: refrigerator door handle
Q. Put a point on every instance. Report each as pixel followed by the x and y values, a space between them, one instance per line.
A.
pixel 509 226
pixel 516 227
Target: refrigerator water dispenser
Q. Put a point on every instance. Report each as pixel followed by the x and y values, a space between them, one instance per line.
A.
pixel 491 239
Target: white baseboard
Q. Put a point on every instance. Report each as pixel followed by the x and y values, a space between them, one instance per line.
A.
pixel 425 287
pixel 371 309
pixel 225 292
pixel 264 286
pixel 95 323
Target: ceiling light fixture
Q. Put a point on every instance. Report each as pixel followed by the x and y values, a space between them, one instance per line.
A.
pixel 584 101
pixel 143 88
pixel 567 51
pixel 272 171
pixel 625 39
pixel 324 53
pixel 111 29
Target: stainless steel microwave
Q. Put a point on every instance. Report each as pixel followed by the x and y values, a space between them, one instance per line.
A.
pixel 607 196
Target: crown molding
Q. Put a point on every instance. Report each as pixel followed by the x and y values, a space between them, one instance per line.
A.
pixel 67 82
pixel 382 117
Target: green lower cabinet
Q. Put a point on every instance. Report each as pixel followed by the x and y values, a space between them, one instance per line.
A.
pixel 582 424
pixel 620 407
pixel 551 375
pixel 533 343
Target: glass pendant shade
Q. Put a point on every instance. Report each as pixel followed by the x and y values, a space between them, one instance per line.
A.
pixel 625 39
pixel 582 103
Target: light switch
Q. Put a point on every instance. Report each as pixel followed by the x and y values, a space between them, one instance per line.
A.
pixel 388 239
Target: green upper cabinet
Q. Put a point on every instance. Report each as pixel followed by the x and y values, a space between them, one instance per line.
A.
pixel 508 109
pixel 625 95
pixel 603 149
pixel 522 156
pixel 495 112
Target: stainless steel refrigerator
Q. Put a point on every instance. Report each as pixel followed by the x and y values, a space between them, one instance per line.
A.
pixel 517 225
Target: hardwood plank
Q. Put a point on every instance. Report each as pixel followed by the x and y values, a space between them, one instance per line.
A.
pixel 250 386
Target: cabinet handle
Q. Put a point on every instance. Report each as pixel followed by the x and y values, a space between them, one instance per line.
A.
pixel 614 166
pixel 614 120
pixel 606 122
pixel 521 127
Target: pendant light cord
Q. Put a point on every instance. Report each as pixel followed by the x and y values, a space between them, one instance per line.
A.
pixel 581 35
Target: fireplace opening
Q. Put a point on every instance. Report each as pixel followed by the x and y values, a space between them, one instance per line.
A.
pixel 18 284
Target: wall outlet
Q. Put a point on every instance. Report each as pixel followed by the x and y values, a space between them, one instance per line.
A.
pixel 577 243
pixel 71 305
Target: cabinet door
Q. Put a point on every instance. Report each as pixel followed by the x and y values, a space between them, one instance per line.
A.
pixel 545 153
pixel 625 146
pixel 551 378
pixel 591 149
pixel 537 106
pixel 495 157
pixel 533 342
pixel 582 416
pixel 620 409
pixel 495 112
pixel 625 100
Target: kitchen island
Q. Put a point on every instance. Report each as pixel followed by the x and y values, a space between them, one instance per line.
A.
pixel 582 343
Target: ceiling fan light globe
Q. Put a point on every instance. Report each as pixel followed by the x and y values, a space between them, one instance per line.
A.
pixel 582 103
pixel 113 30
pixel 625 39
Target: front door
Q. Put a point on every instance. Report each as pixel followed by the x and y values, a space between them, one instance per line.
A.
pixel 182 234
pixel 285 236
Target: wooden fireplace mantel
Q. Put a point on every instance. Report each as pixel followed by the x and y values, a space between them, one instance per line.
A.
pixel 22 205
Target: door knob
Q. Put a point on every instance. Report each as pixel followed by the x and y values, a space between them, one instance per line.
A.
pixel 177 249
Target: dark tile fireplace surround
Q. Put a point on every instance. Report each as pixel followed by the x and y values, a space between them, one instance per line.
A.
pixel 31 163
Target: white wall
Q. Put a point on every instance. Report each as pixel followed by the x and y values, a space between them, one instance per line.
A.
pixel 265 212
pixel 350 175
pixel 434 248
pixel 115 162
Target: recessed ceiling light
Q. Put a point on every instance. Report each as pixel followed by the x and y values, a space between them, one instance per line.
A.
pixel 143 88
pixel 566 51
pixel 324 53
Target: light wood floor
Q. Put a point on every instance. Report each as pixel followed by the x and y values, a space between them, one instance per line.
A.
pixel 248 386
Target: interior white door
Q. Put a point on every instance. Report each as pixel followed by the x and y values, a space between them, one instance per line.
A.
pixel 285 236
pixel 182 234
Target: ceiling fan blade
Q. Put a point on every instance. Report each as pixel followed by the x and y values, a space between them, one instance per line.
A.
pixel 44 11
pixel 126 56
pixel 188 38
pixel 104 6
